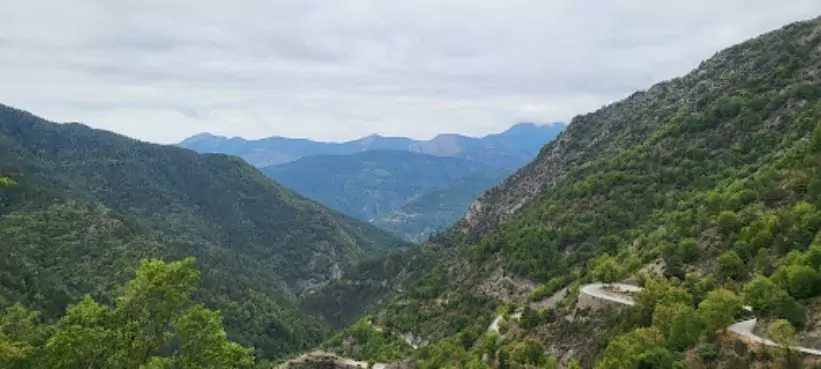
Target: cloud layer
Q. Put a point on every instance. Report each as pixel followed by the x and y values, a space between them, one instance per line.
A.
pixel 163 70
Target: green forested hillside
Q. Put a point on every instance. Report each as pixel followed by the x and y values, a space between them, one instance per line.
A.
pixel 81 207
pixel 717 174
pixel 437 209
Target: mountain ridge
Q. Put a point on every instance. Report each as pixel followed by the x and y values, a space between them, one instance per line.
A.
pixel 278 150
pixel 83 196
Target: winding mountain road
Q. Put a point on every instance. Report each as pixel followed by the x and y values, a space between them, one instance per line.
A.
pixel 619 293
pixel 615 292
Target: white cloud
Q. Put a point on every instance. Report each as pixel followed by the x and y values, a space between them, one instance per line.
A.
pixel 162 70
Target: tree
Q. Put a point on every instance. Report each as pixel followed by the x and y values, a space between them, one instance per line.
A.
pixel 657 292
pixel 628 350
pixel 204 344
pixel 607 269
pixel 19 336
pixel 782 333
pixel 813 256
pixel 730 266
pixel 688 250
pixel 530 318
pixel 679 323
pixel 763 262
pixel 528 353
pixel 763 295
pixel 719 308
pixel 153 325
pixel 801 281
pixel 728 222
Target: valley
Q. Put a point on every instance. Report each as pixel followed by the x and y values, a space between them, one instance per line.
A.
pixel 676 227
pixel 407 187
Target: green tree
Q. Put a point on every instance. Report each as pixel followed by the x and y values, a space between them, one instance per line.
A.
pixel 763 261
pixel 680 324
pixel 688 250
pixel 719 308
pixel 628 350
pixel 528 353
pixel 530 318
pixel 763 295
pixel 728 222
pixel 813 256
pixel 153 325
pixel 19 334
pixel 658 292
pixel 782 333
pixel 607 269
pixel 730 266
pixel 801 281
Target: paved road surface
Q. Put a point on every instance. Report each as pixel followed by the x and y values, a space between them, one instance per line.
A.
pixel 598 290
pixel 743 329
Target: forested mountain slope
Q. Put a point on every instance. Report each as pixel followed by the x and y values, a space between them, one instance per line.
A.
pixel 716 175
pixel 437 209
pixel 86 205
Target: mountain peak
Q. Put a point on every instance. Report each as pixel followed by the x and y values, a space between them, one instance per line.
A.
pixel 203 136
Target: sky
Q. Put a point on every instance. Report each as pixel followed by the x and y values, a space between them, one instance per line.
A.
pixel 161 70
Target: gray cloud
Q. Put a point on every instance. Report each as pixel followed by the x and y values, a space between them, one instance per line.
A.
pixel 162 70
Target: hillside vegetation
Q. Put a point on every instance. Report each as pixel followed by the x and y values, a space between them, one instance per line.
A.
pixel 80 207
pixel 717 174
pixel 437 209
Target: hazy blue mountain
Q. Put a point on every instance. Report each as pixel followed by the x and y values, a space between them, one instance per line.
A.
pixel 517 145
pixel 397 183
pixel 438 208
pixel 372 183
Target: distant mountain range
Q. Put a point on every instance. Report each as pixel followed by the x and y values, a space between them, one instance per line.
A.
pixel 516 146
pixel 411 188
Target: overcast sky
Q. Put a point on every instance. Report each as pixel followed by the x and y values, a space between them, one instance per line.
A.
pixel 161 70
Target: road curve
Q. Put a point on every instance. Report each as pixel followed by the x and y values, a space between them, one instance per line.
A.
pixel 743 329
pixel 615 292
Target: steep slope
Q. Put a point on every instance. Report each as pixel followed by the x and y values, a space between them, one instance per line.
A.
pixel 715 173
pixel 85 197
pixel 369 184
pixel 513 148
